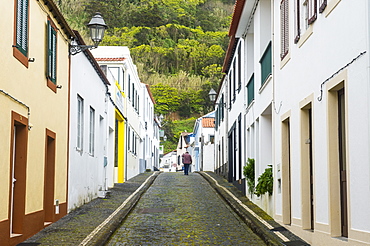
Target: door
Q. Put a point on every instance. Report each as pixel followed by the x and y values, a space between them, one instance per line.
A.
pixel 311 169
pixel 286 172
pixel 342 163
pixel 18 162
pixel 49 177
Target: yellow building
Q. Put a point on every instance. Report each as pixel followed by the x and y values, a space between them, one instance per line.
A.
pixel 34 85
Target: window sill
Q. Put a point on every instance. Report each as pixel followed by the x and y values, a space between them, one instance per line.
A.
pixel 269 78
pixel 20 57
pixel 249 106
pixel 305 36
pixel 285 60
pixel 52 86
pixel 330 7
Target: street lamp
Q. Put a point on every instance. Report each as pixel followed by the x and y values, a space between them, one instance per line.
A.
pixel 212 95
pixel 97 27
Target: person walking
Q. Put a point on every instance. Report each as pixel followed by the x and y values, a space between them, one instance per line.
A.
pixel 186 160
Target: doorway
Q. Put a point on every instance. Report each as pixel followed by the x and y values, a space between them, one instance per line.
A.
pixel 49 178
pixel 342 163
pixel 286 172
pixel 18 162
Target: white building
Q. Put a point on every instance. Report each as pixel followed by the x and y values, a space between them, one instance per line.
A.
pixel 91 136
pixel 304 70
pixel 183 145
pixel 133 149
pixel 322 172
pixel 149 133
pixel 203 145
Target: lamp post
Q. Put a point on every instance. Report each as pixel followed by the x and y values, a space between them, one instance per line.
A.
pixel 97 28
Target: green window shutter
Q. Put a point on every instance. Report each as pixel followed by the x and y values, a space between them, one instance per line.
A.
pixel 266 64
pixel 250 90
pixel 22 27
pixel 52 47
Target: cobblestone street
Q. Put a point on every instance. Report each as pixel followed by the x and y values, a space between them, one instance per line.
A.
pixel 182 210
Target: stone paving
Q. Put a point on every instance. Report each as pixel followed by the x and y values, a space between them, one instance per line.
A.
pixel 183 210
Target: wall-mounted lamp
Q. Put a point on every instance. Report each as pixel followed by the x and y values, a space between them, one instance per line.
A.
pixel 97 28
pixel 212 97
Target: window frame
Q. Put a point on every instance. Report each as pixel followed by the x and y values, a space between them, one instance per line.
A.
pixel 51 60
pixel 322 5
pixel 80 122
pixel 297 24
pixel 21 31
pixel 284 28
pixel 267 54
pixel 312 11
pixel 250 88
pixel 92 132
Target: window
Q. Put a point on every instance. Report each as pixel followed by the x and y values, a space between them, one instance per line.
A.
pixel 222 107
pixel 239 67
pixel 297 25
pixel 266 64
pixel 312 11
pixel 284 28
pixel 230 88
pixel 92 131
pixel 52 54
pixel 129 86
pixel 305 15
pixel 133 143
pixel 234 79
pixel 250 90
pixel 118 75
pixel 322 5
pixel 20 50
pixel 80 121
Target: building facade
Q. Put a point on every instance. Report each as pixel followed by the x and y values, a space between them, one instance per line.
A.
pixel 321 129
pixel 34 88
pixel 203 144
pixel 304 72
pixel 91 152
pixel 134 112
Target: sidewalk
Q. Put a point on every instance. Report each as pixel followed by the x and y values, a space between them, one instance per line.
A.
pixel 73 228
pixel 93 223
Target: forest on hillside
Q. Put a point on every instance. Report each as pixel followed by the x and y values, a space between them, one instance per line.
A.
pixel 178 46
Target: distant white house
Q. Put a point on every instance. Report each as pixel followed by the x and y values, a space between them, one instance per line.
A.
pixel 203 145
pixel 184 144
pixel 91 153
pixel 149 132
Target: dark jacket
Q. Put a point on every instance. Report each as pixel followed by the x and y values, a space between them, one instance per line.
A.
pixel 186 158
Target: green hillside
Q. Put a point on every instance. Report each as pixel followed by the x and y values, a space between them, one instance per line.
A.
pixel 177 45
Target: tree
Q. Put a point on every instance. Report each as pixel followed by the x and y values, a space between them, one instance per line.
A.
pixel 166 98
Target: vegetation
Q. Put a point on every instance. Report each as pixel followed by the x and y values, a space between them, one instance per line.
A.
pixel 265 182
pixel 173 129
pixel 178 46
pixel 248 171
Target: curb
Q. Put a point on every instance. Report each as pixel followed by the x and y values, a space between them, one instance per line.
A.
pixel 267 229
pixel 104 231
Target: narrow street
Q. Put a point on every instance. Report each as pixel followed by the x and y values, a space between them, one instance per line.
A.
pixel 181 210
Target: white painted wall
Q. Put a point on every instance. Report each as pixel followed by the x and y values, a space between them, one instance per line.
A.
pixel 87 174
pixel 333 42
